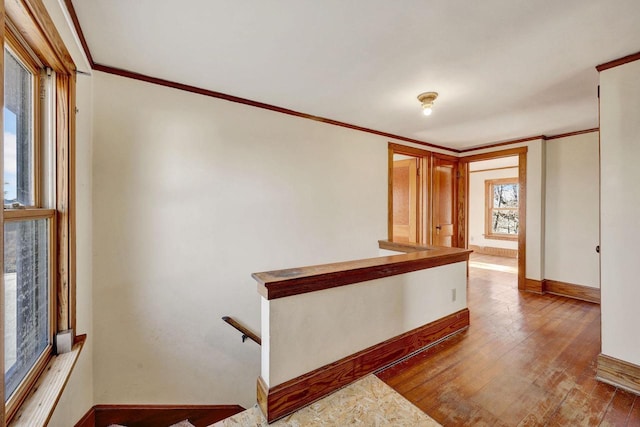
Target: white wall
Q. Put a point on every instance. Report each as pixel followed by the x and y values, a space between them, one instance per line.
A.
pixel 620 211
pixel 302 325
pixel 478 174
pixel 193 194
pixel 572 210
pixel 77 398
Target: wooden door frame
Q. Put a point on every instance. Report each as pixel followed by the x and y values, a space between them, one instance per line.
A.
pixel 424 184
pixel 455 238
pixel 521 152
pixel 411 165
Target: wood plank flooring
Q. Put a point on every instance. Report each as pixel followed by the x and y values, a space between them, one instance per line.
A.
pixel 526 360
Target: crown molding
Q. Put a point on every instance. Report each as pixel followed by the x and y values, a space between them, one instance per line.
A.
pixel 219 95
pixel 618 62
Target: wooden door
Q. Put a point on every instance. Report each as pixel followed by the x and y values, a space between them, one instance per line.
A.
pixel 444 228
pixel 405 200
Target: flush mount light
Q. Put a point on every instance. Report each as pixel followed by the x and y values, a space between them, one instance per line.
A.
pixel 427 99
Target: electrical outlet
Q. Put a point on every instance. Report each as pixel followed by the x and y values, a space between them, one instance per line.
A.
pixel 453 294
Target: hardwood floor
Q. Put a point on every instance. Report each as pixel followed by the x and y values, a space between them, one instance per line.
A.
pixel 526 360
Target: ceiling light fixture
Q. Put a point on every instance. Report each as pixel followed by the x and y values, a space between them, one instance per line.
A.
pixel 427 99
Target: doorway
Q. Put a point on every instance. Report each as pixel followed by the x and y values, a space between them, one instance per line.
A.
pixel 444 224
pixel 495 205
pixel 423 197
pixel 406 192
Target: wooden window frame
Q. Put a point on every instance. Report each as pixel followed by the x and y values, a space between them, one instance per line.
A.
pixel 29 31
pixel 488 202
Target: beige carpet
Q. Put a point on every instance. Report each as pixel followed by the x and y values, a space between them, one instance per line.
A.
pixel 367 402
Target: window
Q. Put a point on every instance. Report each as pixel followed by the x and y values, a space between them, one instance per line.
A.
pixel 501 199
pixel 38 211
pixel 28 225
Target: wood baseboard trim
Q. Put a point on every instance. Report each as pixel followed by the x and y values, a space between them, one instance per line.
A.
pixel 88 420
pixel 618 373
pixel 489 250
pixel 535 286
pixel 152 415
pixel 283 399
pixel 570 290
pixel 263 394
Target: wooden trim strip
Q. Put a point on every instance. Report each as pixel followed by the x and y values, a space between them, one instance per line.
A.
pixel 618 373
pixel 527 139
pixel 213 94
pixel 489 250
pixel 24 214
pixel 522 219
pixel 410 151
pixel 535 286
pixel 295 281
pixel 462 195
pixel 509 237
pixel 88 420
pixel 403 247
pixel 262 395
pixel 283 399
pixel 584 293
pixel 62 199
pixel 618 62
pixel 71 204
pixel 494 169
pixel 495 154
pixel 157 415
pixel 501 144
pixel 566 135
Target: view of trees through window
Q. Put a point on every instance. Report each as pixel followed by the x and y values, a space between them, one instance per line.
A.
pixel 503 211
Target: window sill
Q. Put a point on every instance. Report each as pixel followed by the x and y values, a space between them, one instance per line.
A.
pixel 43 397
pixel 499 237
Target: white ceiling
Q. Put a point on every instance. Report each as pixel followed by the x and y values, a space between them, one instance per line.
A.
pixel 504 69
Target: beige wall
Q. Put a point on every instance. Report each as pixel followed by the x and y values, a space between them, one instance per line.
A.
pixel 192 195
pixel 365 314
pixel 572 210
pixel 182 197
pixel 620 211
